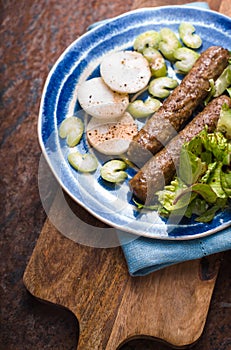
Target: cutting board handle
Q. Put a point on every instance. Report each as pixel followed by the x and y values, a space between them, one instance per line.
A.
pixel 111 306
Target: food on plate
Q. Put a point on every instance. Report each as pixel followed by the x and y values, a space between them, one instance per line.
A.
pixel 179 106
pixel 161 168
pixel 203 184
pixel 156 62
pixel 188 36
pixel 72 129
pixel 224 123
pixel 125 71
pixel 143 109
pixel 111 137
pixel 113 171
pixel 160 87
pixel 220 85
pixel 146 40
pixel 99 101
pixel 191 175
pixel 85 163
pixel 222 82
pixel 185 59
pixel 168 43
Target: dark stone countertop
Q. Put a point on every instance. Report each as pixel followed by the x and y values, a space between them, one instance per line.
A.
pixel 33 34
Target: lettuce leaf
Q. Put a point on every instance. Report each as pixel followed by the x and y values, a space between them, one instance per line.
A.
pixel 225 177
pixel 224 122
pixel 217 144
pixel 197 207
pixel 214 181
pixel 209 214
pixel 223 82
pixel 203 183
pixel 191 166
pixel 168 197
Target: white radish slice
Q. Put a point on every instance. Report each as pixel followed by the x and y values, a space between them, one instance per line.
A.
pixel 111 138
pixel 99 101
pixel 125 71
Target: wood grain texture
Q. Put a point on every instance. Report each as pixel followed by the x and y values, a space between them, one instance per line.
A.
pixel 111 307
pixel 89 282
pixel 170 305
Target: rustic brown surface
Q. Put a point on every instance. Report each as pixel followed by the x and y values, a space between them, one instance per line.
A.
pixel 33 35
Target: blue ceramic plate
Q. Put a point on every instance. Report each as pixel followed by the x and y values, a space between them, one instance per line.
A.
pixel 80 61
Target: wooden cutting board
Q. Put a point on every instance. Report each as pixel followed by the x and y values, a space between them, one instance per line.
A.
pixel 112 307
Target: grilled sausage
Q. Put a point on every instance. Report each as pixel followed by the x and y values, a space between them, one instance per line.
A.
pixel 161 168
pixel 179 106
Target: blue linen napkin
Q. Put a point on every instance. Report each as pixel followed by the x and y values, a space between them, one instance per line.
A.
pixel 145 255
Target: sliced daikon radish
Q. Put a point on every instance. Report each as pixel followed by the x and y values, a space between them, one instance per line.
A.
pixel 125 71
pixel 99 101
pixel 111 138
